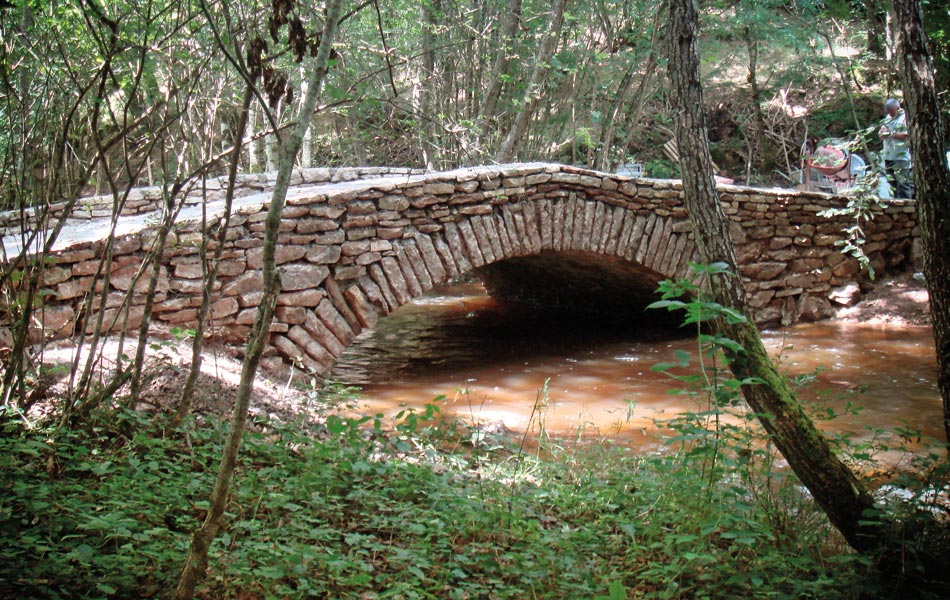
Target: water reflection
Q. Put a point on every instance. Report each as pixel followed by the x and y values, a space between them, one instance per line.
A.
pixel 490 363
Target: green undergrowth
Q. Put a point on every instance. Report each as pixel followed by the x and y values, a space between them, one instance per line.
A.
pixel 427 509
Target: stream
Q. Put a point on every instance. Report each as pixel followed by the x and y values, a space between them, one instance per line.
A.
pixel 491 364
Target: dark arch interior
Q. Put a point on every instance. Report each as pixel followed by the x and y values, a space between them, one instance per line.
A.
pixel 586 287
pixel 551 304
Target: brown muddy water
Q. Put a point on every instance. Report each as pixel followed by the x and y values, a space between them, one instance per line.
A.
pixel 491 362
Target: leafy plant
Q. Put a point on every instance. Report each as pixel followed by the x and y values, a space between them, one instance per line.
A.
pixel 739 468
pixel 862 201
pixel 414 511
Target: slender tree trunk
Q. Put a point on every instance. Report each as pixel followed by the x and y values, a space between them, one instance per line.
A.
pixel 890 47
pixel 931 180
pixel 350 127
pixel 532 95
pixel 608 131
pixel 874 21
pixel 427 97
pixel 489 104
pixel 832 484
pixel 846 86
pixel 447 104
pixel 197 561
pixel 252 142
pixel 157 251
pixel 602 161
pixel 756 150
pixel 638 102
pixel 306 159
pixel 80 394
pixel 187 393
pixel 471 69
pixel 270 152
pixel 13 380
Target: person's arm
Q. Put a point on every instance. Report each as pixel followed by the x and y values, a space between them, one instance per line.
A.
pixel 900 131
pixel 885 130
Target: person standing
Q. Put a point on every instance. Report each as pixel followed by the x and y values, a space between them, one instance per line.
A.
pixel 896 155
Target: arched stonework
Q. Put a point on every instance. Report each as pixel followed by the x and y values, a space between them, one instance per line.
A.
pixel 518 227
pixel 480 218
pixel 354 251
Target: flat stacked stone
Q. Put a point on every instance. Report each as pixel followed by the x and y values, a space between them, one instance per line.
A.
pixel 355 245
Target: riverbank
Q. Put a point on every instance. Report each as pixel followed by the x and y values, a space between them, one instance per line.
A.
pixel 900 300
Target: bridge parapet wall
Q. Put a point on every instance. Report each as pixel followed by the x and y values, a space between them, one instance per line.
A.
pixel 351 252
pixel 144 200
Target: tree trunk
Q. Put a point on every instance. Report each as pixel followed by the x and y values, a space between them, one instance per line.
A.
pixel 489 104
pixel 633 117
pixel 931 180
pixel 427 104
pixel 756 149
pixel 197 561
pixel 270 151
pixel 252 142
pixel 155 254
pixel 532 93
pixel 602 162
pixel 875 24
pixel 306 158
pixel 170 210
pixel 832 484
pixel 197 344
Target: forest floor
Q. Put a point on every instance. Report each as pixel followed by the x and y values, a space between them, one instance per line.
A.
pixel 900 300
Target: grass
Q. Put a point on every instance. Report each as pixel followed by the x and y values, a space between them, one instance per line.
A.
pixel 418 511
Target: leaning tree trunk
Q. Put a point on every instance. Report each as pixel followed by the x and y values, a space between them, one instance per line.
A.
pixel 197 561
pixel 931 180
pixel 532 95
pixel 211 275
pixel 832 484
pixel 170 211
pixel 511 21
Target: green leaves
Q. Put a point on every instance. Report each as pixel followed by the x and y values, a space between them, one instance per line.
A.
pixel 682 361
pixel 615 591
pixel 698 306
pixel 410 512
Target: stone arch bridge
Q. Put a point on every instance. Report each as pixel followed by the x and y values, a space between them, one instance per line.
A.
pixel 356 245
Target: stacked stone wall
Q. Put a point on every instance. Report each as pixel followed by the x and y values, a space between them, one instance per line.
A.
pixel 140 201
pixel 351 252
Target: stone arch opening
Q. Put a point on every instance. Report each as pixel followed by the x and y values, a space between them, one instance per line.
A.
pixel 526 306
pixel 579 257
pixel 584 286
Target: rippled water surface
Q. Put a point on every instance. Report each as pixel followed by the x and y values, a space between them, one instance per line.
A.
pixel 490 363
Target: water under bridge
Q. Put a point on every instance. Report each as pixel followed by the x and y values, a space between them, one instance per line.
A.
pixel 356 244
